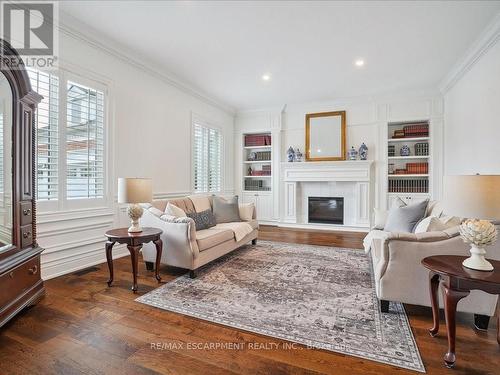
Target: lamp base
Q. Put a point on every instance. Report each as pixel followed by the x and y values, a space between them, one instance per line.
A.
pixel 477 260
pixel 135 212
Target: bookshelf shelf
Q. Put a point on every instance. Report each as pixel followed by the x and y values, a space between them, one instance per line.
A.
pixel 412 185
pixel 256 147
pixel 408 157
pixel 407 175
pixel 257 157
pixel 409 139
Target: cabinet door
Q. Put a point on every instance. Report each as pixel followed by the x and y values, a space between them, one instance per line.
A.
pixel 264 207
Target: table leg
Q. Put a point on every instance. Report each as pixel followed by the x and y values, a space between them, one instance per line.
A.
pixel 498 323
pixel 433 288
pixel 159 247
pixel 451 298
pixel 109 258
pixel 134 257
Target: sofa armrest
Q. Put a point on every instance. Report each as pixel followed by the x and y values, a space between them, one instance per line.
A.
pixel 179 233
pixel 421 237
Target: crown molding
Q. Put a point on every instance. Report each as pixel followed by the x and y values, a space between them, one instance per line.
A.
pixel 84 33
pixel 488 38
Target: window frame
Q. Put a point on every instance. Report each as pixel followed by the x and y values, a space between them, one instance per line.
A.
pixel 199 120
pixel 62 203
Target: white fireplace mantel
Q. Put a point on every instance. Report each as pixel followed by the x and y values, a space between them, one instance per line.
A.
pixel 358 172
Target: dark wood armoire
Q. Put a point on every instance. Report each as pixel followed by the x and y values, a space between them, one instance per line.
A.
pixel 20 281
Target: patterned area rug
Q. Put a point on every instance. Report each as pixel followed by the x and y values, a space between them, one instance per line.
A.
pixel 317 296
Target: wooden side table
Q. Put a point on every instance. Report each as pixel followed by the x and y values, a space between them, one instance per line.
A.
pixel 134 243
pixel 457 282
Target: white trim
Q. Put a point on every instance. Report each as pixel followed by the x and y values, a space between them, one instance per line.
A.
pixel 84 33
pixel 488 38
pixel 76 262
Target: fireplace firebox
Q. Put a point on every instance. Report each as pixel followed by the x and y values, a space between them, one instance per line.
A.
pixel 326 210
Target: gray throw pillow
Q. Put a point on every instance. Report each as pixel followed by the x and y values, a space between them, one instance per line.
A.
pixel 226 210
pixel 404 219
pixel 203 220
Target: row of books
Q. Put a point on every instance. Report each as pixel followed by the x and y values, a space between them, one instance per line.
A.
pixel 420 185
pixel 261 173
pixel 417 168
pixel 421 149
pixel 260 156
pixel 256 185
pixel 257 140
pixel 412 130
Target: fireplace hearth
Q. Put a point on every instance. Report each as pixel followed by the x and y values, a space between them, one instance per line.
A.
pixel 326 210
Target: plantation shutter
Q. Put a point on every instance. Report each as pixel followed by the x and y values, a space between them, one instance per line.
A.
pixel 47 118
pixel 84 142
pixel 207 150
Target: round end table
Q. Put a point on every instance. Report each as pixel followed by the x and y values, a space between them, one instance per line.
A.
pixel 134 243
pixel 457 282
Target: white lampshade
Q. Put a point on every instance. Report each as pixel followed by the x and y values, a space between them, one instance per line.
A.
pixel 473 197
pixel 135 190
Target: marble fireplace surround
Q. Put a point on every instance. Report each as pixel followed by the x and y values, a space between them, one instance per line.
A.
pixel 352 180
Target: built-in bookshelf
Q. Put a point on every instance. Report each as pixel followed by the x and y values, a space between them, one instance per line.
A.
pixel 408 160
pixel 257 162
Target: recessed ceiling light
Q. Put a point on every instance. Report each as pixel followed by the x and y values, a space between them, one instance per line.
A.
pixel 359 62
pixel 266 77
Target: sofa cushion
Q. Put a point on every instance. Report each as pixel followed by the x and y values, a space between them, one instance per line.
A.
pixel 208 238
pixel 226 210
pixel 429 224
pixel 203 220
pixel 173 210
pixel 246 211
pixel 404 219
pixel 200 202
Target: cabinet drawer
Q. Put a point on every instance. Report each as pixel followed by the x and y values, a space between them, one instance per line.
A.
pixel 18 280
pixel 26 213
pixel 26 235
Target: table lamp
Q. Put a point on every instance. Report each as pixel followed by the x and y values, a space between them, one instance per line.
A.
pixel 134 191
pixel 477 198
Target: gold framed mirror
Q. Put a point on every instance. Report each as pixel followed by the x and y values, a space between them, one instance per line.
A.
pixel 326 136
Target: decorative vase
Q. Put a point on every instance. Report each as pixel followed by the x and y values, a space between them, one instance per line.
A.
pixel 352 154
pixel 298 155
pixel 290 154
pixel 250 171
pixel 405 151
pixel 363 151
pixel 478 233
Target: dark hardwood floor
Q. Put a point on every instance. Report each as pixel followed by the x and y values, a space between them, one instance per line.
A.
pixel 82 326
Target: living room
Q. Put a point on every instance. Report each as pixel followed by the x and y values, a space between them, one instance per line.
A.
pixel 249 187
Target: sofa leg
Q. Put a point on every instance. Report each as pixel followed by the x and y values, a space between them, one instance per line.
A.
pixel 384 306
pixel 150 266
pixel 481 322
pixel 254 241
pixel 193 274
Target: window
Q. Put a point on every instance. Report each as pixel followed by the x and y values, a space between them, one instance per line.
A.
pixel 207 158
pixel 70 139
pixel 84 142
pixel 47 122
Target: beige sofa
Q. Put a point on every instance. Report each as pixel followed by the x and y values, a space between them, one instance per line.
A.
pixel 399 275
pixel 183 246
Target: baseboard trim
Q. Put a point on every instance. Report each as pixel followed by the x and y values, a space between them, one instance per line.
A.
pixel 67 265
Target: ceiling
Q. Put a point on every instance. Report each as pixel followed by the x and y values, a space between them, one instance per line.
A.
pixel 308 48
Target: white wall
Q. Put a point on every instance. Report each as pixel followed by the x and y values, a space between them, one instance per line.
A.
pixel 150 136
pixel 472 118
pixel 366 119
